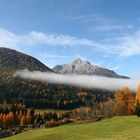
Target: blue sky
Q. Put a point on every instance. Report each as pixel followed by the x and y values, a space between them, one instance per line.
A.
pixel 105 32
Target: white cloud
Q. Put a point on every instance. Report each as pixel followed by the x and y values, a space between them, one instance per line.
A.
pixel 127 45
pixel 9 39
pixel 84 81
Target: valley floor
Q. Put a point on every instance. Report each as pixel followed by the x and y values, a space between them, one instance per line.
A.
pixel 116 128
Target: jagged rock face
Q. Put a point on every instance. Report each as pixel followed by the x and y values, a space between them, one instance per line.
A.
pixel 85 67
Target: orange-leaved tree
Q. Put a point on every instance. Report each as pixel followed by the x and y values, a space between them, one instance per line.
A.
pixel 137 101
pixel 124 102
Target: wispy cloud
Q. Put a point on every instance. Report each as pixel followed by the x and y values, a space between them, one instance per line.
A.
pixel 54 39
pixel 89 18
pixel 116 67
pixel 10 39
pixel 57 56
pixel 96 23
pixel 108 27
pixel 124 46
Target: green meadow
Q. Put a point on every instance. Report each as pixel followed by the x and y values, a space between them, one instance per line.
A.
pixel 116 128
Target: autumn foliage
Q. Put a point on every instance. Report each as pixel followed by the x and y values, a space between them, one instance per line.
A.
pixel 124 102
pixel 137 102
pixel 137 99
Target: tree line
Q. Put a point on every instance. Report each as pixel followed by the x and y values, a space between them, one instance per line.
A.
pixel 18 115
pixel 41 95
pixel 124 103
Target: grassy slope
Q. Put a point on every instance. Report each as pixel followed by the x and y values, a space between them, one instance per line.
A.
pixel 117 128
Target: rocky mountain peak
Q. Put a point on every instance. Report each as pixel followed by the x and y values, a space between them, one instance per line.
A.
pixel 78 61
pixel 79 66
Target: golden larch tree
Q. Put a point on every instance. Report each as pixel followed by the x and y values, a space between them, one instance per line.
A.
pixel 137 98
pixel 28 119
pixel 22 121
pixel 124 102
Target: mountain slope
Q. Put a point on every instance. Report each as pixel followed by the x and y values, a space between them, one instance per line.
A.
pixel 13 90
pixel 16 60
pixel 11 60
pixel 84 67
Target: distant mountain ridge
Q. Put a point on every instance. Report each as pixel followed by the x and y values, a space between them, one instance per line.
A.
pixel 81 67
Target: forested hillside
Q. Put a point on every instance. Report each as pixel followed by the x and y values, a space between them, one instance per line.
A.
pixel 40 94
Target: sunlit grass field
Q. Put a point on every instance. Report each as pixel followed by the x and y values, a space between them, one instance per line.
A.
pixel 116 128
